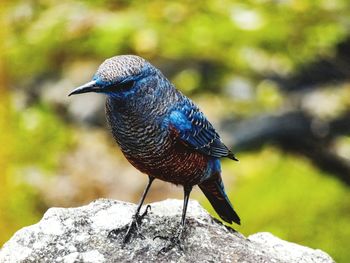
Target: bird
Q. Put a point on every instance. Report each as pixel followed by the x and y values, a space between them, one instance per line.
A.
pixel 162 133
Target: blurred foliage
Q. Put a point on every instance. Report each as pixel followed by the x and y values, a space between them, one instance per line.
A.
pixel 245 37
pixel 31 142
pixel 212 47
pixel 284 195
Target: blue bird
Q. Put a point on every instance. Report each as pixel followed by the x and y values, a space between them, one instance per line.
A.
pixel 162 133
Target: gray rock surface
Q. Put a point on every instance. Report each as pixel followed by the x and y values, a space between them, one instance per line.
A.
pixel 80 235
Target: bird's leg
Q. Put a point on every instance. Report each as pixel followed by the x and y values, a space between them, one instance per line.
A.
pixel 176 240
pixel 136 218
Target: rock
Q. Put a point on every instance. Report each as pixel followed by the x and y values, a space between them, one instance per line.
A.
pixel 80 235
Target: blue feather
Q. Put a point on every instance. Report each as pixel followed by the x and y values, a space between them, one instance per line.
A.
pixel 160 131
pixel 195 130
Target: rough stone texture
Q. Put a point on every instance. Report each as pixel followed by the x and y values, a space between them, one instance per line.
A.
pixel 80 235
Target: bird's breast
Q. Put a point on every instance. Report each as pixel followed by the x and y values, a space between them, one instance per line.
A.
pixel 151 148
pixel 139 135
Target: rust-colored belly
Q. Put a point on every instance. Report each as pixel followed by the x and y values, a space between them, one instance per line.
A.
pixel 178 164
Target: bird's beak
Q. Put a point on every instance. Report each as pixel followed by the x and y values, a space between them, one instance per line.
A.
pixel 88 87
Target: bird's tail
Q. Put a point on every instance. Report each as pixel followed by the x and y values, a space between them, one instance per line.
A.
pixel 215 192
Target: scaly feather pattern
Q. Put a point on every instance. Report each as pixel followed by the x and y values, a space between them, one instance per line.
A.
pixel 161 131
pixel 196 131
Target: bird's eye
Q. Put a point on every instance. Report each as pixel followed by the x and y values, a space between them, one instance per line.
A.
pixel 124 86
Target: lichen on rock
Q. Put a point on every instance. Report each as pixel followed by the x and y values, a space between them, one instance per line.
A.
pixel 81 235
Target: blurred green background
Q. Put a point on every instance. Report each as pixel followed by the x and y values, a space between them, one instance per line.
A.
pixel 273 76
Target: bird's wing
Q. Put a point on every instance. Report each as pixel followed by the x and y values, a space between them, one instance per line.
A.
pixel 190 125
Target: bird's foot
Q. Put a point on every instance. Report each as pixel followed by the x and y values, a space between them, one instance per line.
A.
pixel 133 228
pixel 173 241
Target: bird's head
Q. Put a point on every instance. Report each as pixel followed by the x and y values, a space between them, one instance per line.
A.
pixel 117 76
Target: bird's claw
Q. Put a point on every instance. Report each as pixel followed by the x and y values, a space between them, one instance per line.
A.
pixel 144 213
pixel 133 226
pixel 174 241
